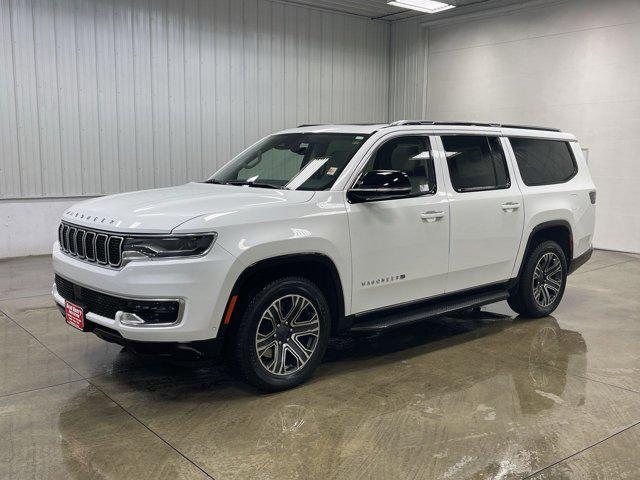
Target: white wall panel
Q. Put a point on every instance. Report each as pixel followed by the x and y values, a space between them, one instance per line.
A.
pixel 29 160
pixel 68 101
pixel 107 96
pixel 109 173
pixel 10 178
pixel 143 94
pixel 88 115
pixel 125 95
pixel 407 93
pixel 47 97
pixel 34 224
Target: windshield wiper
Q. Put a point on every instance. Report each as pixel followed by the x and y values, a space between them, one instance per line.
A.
pixel 255 184
pixel 244 182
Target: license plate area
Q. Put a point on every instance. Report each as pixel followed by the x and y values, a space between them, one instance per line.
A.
pixel 74 315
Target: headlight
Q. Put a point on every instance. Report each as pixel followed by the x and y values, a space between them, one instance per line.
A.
pixel 169 246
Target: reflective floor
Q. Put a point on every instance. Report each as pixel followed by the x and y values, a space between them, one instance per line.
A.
pixel 490 396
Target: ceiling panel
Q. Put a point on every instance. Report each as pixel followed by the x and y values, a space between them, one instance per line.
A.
pixel 376 8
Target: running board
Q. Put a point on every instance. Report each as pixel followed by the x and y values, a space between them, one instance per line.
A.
pixel 375 322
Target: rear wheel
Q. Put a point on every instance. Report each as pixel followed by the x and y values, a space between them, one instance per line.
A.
pixel 283 334
pixel 541 285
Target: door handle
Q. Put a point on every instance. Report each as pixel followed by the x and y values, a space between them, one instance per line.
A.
pixel 432 216
pixel 510 206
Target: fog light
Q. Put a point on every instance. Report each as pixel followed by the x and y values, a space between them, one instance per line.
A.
pixel 127 318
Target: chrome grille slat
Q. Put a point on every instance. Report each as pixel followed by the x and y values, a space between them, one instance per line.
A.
pixel 114 250
pixel 60 235
pixel 91 246
pixel 101 248
pixel 80 243
pixel 72 240
pixel 65 235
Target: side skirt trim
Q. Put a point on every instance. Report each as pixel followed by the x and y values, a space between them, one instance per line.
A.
pixel 407 315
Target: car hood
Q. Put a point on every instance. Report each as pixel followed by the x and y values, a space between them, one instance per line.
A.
pixel 161 210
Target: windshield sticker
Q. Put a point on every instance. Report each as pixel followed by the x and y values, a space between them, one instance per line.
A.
pixel 305 174
pixel 332 170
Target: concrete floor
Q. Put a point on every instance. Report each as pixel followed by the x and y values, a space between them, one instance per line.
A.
pixel 492 397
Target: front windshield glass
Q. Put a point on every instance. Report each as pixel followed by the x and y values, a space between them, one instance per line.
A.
pixel 297 161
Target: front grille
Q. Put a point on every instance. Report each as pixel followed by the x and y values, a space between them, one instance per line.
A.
pixel 90 245
pixel 151 311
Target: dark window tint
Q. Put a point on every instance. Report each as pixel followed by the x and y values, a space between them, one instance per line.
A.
pixel 475 163
pixel 543 162
pixel 410 155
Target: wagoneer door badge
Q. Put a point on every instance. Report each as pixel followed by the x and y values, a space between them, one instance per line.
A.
pixel 384 280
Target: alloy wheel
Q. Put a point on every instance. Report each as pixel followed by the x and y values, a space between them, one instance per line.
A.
pixel 547 279
pixel 287 334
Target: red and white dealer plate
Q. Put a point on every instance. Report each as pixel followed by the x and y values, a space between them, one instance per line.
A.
pixel 74 315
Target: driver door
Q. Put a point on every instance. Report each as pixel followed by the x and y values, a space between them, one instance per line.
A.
pixel 400 247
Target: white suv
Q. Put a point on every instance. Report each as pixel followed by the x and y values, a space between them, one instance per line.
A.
pixel 326 228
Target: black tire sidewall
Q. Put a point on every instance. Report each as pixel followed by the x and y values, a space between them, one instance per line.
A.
pixel 527 299
pixel 246 354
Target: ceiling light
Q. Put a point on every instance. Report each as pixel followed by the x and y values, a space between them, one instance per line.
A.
pixel 427 6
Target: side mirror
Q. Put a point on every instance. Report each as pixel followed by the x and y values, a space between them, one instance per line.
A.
pixel 380 185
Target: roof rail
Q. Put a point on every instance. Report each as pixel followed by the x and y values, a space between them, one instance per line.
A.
pixel 530 127
pixel 470 124
pixel 362 124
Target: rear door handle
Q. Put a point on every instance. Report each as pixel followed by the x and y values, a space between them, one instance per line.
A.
pixel 510 206
pixel 432 216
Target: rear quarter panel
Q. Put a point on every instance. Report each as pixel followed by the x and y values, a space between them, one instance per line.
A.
pixel 567 202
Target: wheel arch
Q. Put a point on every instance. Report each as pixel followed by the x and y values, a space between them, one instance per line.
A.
pixel 317 267
pixel 559 231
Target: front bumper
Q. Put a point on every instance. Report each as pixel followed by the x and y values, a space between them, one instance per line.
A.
pixel 202 286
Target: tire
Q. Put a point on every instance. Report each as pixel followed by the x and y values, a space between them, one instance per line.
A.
pixel 542 281
pixel 269 352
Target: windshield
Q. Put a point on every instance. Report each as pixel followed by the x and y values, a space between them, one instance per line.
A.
pixel 297 161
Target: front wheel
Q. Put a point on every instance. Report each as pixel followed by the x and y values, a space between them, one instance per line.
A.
pixel 542 282
pixel 283 334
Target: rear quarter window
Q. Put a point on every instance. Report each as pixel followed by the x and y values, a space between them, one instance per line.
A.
pixel 544 162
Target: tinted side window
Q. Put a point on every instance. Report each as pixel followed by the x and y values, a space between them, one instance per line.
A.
pixel 475 163
pixel 543 162
pixel 410 155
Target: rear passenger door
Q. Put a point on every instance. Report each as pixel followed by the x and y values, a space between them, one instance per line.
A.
pixel 486 211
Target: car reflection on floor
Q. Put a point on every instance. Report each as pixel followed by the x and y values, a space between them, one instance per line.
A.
pixel 386 406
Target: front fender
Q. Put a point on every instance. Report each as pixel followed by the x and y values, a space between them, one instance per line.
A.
pixel 316 227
